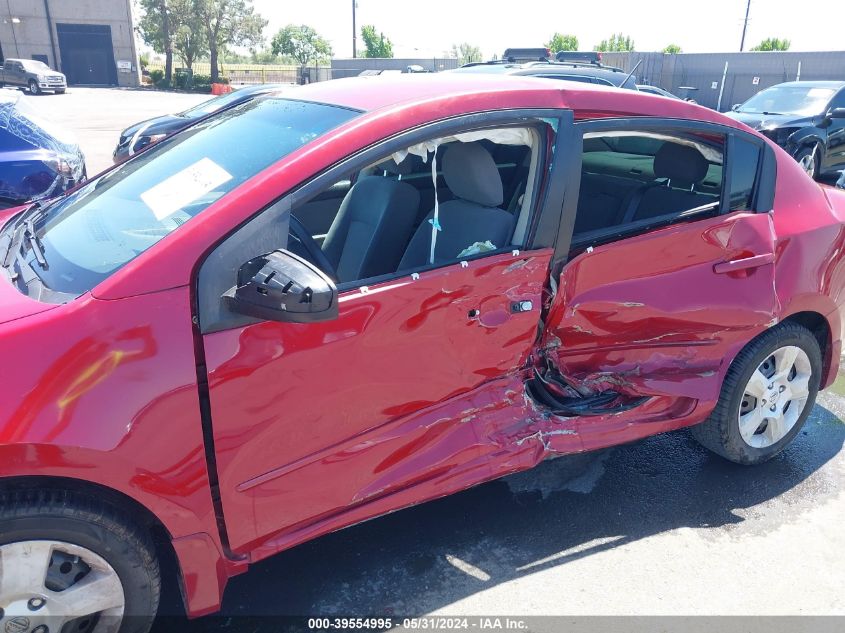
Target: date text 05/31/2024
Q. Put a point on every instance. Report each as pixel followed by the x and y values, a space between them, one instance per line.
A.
pixel 431 623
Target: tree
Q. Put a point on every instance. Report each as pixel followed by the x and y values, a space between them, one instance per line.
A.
pixel 562 42
pixel 189 37
pixel 302 43
pixel 377 44
pixel 155 29
pixel 617 43
pixel 466 53
pixel 228 22
pixel 773 44
pixel 673 49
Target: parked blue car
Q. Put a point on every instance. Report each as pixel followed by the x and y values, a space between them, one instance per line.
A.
pixel 38 160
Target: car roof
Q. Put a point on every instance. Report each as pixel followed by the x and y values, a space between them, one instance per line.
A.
pixel 812 84
pixel 448 92
pixel 610 74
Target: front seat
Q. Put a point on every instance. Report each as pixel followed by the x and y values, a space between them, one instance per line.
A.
pixel 372 226
pixel 684 167
pixel 473 178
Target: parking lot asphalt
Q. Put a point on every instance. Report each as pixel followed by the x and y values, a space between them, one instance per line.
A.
pixel 97 116
pixel 660 527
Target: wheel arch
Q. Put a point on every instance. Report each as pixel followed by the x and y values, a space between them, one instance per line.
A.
pixel 183 563
pixel 821 329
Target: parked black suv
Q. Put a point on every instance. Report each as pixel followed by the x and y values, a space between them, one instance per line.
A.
pixel 571 66
pixel 806 118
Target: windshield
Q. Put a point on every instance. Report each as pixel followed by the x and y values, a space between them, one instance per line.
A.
pixel 213 105
pixel 801 100
pixel 112 219
pixel 35 66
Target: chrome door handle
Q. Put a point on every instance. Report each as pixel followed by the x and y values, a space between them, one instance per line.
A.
pixel 744 264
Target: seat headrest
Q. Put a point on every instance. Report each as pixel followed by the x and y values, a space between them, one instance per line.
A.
pixel 680 163
pixel 471 174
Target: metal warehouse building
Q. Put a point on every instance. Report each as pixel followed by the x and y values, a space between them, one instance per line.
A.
pixel 90 41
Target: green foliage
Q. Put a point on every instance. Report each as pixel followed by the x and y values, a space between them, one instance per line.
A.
pixel 562 42
pixel 618 42
pixel 377 45
pixel 189 37
pixel 144 59
pixel 156 76
pixel 228 23
pixel 466 53
pixel 673 49
pixel 302 43
pixel 773 44
pixel 151 25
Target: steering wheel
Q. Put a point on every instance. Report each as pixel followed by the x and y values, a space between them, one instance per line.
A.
pixel 315 253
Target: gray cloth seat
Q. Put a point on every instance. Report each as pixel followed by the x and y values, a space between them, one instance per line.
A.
pixel 369 233
pixel 684 167
pixel 473 216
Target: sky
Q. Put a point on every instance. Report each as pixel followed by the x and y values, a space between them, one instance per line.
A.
pixel 427 28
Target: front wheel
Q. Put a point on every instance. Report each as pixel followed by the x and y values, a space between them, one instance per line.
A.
pixel 33 87
pixel 767 395
pixel 73 563
pixel 808 158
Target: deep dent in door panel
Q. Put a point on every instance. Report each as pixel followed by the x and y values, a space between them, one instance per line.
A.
pixel 648 316
pixel 357 379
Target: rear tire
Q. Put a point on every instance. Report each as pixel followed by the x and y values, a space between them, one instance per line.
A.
pixel 754 419
pixel 33 87
pixel 93 555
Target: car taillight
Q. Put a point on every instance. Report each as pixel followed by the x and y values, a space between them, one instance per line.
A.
pixel 599 57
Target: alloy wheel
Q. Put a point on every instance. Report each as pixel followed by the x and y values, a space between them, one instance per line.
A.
pixel 775 397
pixel 808 164
pixel 50 586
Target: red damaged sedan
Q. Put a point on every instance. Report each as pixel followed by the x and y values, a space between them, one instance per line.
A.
pixel 335 302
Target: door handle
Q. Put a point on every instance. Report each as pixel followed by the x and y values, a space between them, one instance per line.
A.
pixel 744 264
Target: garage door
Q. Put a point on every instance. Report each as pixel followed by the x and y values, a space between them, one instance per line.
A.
pixel 87 54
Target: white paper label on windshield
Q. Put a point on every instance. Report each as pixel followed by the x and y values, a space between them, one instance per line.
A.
pixel 183 188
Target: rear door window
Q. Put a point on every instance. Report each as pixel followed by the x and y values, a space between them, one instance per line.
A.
pixel 632 179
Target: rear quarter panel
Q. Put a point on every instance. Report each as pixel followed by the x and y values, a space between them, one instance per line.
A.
pixel 810 268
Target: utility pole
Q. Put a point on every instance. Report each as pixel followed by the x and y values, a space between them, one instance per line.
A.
pixel 354 30
pixel 745 26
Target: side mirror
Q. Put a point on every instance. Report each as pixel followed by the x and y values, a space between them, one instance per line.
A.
pixel 836 113
pixel 281 286
pixel 735 107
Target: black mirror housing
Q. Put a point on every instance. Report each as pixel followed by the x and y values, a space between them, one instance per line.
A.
pixel 836 113
pixel 281 286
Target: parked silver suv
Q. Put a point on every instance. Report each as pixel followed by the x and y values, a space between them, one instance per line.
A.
pixel 34 75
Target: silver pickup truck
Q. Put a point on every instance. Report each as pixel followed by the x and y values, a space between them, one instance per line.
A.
pixel 33 75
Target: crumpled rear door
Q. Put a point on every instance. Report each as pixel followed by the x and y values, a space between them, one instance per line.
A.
pixel 657 318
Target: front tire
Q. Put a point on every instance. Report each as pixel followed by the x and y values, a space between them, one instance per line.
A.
pixel 767 395
pixel 73 562
pixel 33 87
pixel 808 158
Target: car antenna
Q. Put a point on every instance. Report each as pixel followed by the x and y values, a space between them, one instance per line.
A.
pixel 631 74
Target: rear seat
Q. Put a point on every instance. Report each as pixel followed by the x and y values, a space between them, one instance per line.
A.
pixel 603 201
pixel 607 201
